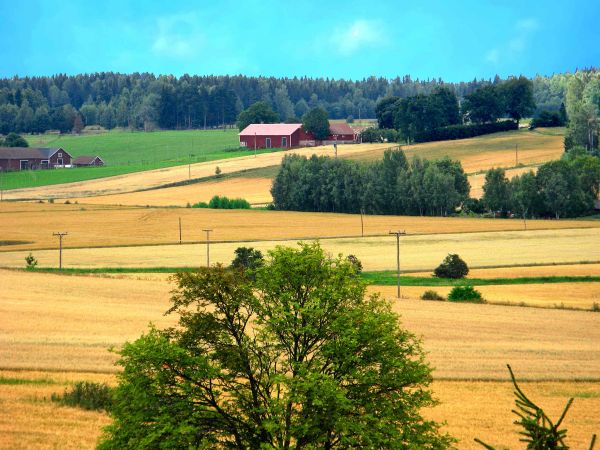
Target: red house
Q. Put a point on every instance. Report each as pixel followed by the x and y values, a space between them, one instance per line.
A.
pixel 24 158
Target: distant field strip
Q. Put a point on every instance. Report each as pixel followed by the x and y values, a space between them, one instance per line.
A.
pixel 32 224
pixel 419 252
pixel 160 177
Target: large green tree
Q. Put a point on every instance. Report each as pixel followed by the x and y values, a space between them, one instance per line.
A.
pixel 259 112
pixel 483 105
pixel 297 358
pixel 495 190
pixel 518 97
pixel 316 121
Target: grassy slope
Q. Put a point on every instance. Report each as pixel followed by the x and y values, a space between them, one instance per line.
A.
pixel 127 152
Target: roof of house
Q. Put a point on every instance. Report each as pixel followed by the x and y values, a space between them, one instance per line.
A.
pixel 84 160
pixel 270 129
pixel 28 152
pixel 340 128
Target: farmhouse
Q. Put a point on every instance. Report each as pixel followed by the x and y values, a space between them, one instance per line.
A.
pixel 288 135
pixel 25 158
pixel 88 161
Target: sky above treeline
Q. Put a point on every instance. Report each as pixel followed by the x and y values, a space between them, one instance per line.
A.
pixel 452 40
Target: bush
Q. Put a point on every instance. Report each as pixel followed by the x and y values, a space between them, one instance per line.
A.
pixel 86 395
pixel 31 262
pixel 451 267
pixel 547 119
pixel 465 294
pixel 223 203
pixel 464 131
pixel 247 258
pixel 355 262
pixel 473 205
pixel 432 295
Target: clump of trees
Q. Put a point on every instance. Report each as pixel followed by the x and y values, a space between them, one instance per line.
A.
pixel 390 186
pixel 453 266
pixel 13 140
pixel 298 357
pixel 316 122
pixel 259 112
pixel 565 188
pixel 583 106
pixel 218 202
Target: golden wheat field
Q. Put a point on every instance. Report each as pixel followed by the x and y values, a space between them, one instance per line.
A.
pixel 418 252
pixel 160 177
pixel 33 224
pixel 576 270
pixel 470 408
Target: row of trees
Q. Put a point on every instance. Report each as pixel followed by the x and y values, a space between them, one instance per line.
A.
pixel 564 188
pixel 583 108
pixel 390 186
pixel 422 114
pixel 143 101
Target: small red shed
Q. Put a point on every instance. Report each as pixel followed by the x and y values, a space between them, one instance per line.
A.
pixel 341 132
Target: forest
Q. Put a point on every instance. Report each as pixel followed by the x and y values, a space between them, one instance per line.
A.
pixel 143 101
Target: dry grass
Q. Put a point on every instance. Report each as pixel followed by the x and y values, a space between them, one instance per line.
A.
pixel 418 252
pixel 100 225
pixel 159 177
pixel 483 410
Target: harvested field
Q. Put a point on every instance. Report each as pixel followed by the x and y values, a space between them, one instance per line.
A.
pixel 159 177
pixel 483 410
pixel 418 252
pixel 484 152
pixel 254 190
pixel 48 322
pixel 562 295
pixel 99 225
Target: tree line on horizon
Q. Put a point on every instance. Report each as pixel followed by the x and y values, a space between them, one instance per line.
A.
pixel 143 101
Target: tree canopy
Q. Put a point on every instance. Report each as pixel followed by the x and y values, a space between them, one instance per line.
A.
pixel 260 112
pixel 14 140
pixel 316 121
pixel 299 357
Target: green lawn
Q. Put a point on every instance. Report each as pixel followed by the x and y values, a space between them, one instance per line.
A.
pixel 127 152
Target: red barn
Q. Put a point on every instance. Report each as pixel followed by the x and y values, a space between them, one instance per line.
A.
pixel 274 135
pixel 341 132
pixel 24 158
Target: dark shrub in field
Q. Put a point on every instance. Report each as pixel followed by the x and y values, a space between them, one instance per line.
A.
pixel 432 295
pixel 86 395
pixel 452 267
pixel 465 294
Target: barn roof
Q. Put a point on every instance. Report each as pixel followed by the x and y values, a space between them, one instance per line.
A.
pixel 28 152
pixel 270 129
pixel 340 128
pixel 83 159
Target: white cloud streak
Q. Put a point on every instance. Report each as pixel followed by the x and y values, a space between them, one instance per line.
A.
pixel 178 36
pixel 514 47
pixel 361 33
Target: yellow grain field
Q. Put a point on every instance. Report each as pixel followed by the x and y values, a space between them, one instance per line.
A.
pixel 67 323
pixel 575 270
pixel 99 225
pixel 483 410
pixel 159 177
pixel 418 252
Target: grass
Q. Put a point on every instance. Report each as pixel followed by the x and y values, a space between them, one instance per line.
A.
pixel 388 278
pixel 128 152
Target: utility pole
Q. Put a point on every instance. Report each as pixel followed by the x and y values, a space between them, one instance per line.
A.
pixel 516 155
pixel 397 234
pixel 255 144
pixel 180 230
pixel 60 238
pixel 362 225
pixel 1 184
pixel 207 231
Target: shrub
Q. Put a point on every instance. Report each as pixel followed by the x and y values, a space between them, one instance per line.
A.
pixel 218 171
pixel 31 262
pixel 465 294
pixel 86 395
pixel 451 267
pixel 432 295
pixel 225 203
pixel 247 258
pixel 355 262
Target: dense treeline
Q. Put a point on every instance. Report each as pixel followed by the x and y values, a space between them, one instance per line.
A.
pixel 565 188
pixel 390 186
pixel 145 101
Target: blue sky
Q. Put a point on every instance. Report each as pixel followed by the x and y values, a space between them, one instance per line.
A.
pixel 454 40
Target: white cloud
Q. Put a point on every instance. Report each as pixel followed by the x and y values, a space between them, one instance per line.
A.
pixel 361 33
pixel 178 36
pixel 516 45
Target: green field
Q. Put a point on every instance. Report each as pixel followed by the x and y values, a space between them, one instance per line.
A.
pixel 127 152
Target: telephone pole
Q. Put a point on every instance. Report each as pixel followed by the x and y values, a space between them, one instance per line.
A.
pixel 180 230
pixel 60 238
pixel 207 231
pixel 397 234
pixel 516 155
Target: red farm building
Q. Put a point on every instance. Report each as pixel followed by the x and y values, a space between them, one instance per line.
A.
pixel 25 158
pixel 288 135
